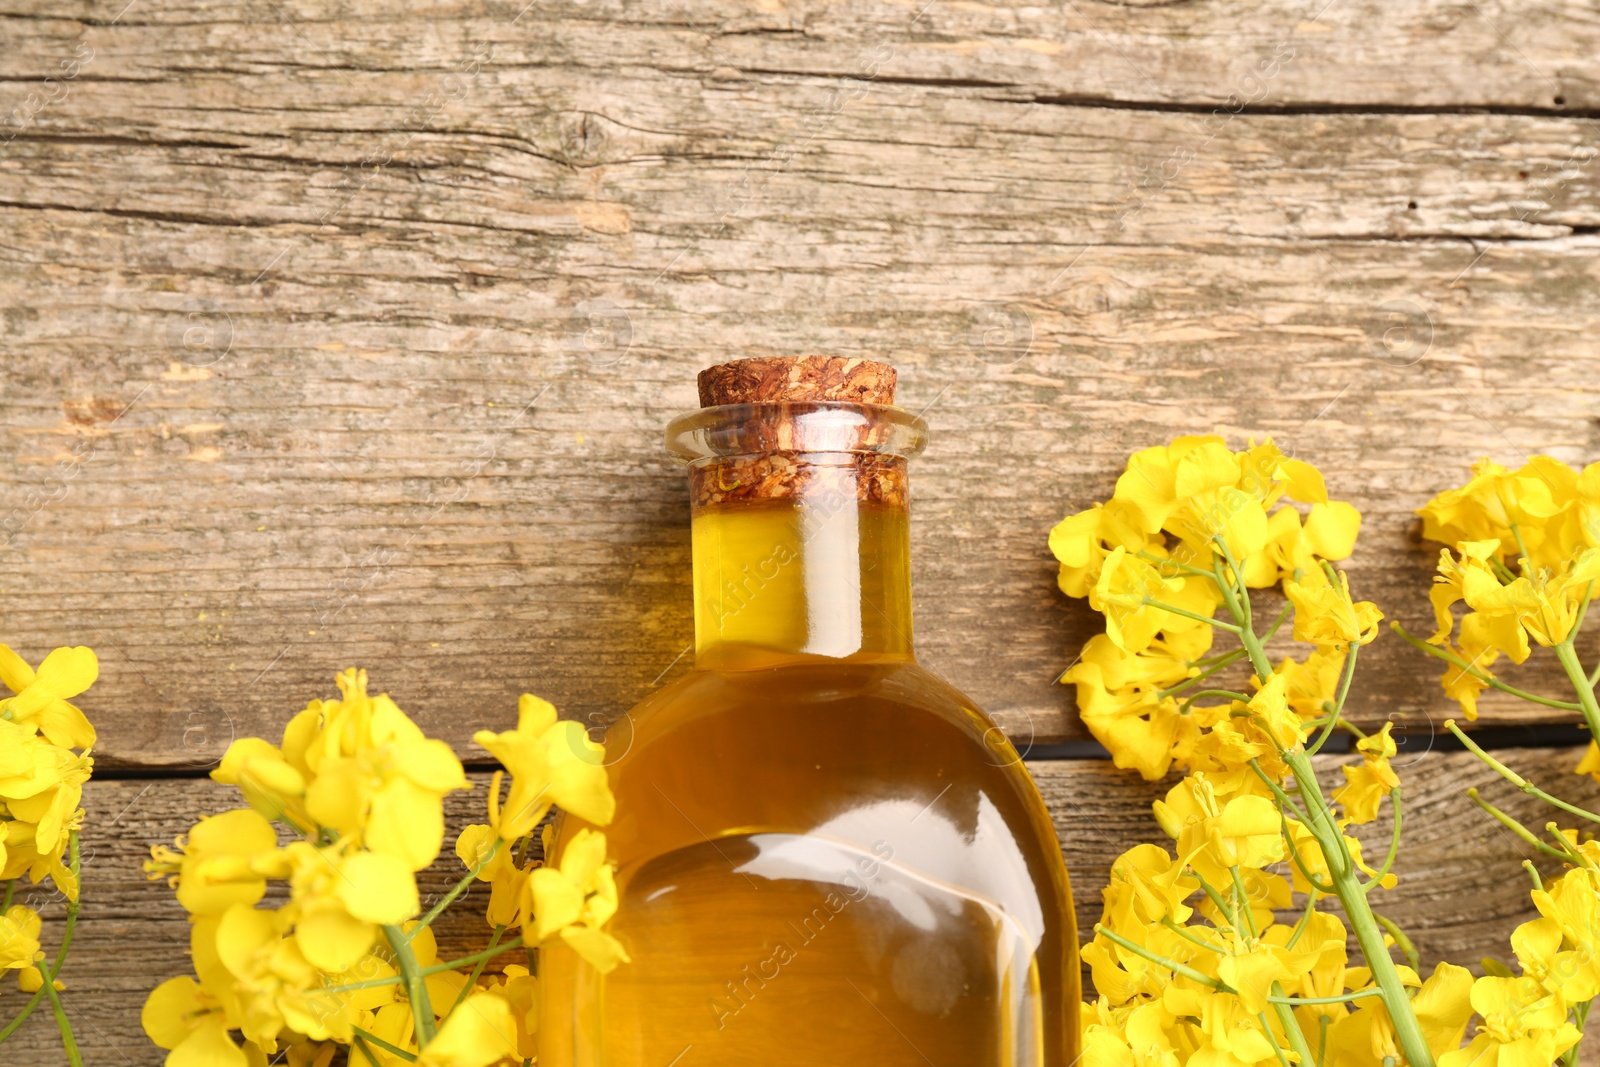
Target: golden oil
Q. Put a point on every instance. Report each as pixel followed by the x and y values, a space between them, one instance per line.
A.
pixel 826 855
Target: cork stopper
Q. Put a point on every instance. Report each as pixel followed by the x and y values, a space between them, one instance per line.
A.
pixel 795 379
pixel 789 450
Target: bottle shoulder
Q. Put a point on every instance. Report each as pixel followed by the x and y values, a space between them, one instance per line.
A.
pixel 884 757
pixel 861 697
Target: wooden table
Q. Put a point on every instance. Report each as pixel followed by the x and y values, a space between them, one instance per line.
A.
pixel 345 334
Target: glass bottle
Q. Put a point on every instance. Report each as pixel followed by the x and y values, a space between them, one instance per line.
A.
pixel 826 855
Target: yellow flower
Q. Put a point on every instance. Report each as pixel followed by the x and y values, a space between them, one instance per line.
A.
pixel 41 785
pixel 1499 506
pixel 1573 904
pixel 1146 886
pixel 574 900
pixel 1244 832
pixel 1542 605
pixel 551 763
pixel 19 944
pixel 1572 974
pixel 1590 763
pixel 1311 687
pixel 1151 484
pixel 505 878
pixel 1233 1034
pixel 1198 490
pixel 1366 1036
pixel 270 784
pixel 1523 1025
pixel 1081 543
pixel 1120 701
pixel 1368 782
pixel 340 898
pixel 1292 551
pixel 1269 711
pixel 1127 592
pixel 42 697
pixel 1325 616
pixel 521 991
pixel 378 776
pixel 1141 1040
pixel 274 985
pixel 216 867
pixel 1252 964
pixel 1324 937
pixel 478 1033
pixel 181 1016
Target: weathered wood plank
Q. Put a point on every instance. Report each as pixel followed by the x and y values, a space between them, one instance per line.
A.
pixel 360 478
pixel 329 280
pixel 1285 53
pixel 1461 890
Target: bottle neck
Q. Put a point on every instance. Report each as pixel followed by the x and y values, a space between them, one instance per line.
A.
pixel 819 570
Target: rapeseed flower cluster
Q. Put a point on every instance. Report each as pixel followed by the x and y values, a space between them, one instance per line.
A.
pixel 307 931
pixel 45 744
pixel 1190 960
pixel 1523 557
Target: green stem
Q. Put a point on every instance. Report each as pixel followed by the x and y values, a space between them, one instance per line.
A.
pixel 366 1053
pixel 393 1050
pixel 1231 694
pixel 1394 841
pixel 1580 683
pixel 1242 901
pixel 1347 887
pixel 1277 792
pixel 1305 920
pixel 437 968
pixel 11 888
pixel 1172 965
pixel 74 1058
pixel 1524 563
pixel 1514 778
pixel 1580 1016
pixel 1343 998
pixel 1369 934
pixel 1216 898
pixel 1291 1026
pixel 1570 854
pixel 412 978
pixel 1224 661
pixel 1266 1027
pixel 1234 591
pixel 1514 826
pixel 1183 568
pixel 1400 938
pixel 477 970
pixel 459 888
pixel 1298 860
pixel 477 957
pixel 1272 631
pixel 1337 711
pixel 1533 873
pixel 1186 613
pixel 1481 675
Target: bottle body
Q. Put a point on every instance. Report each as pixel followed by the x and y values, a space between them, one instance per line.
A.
pixel 824 854
pixel 823 862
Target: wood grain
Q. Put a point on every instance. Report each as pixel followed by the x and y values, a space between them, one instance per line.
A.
pixel 1461 890
pixel 297 375
pixel 345 334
